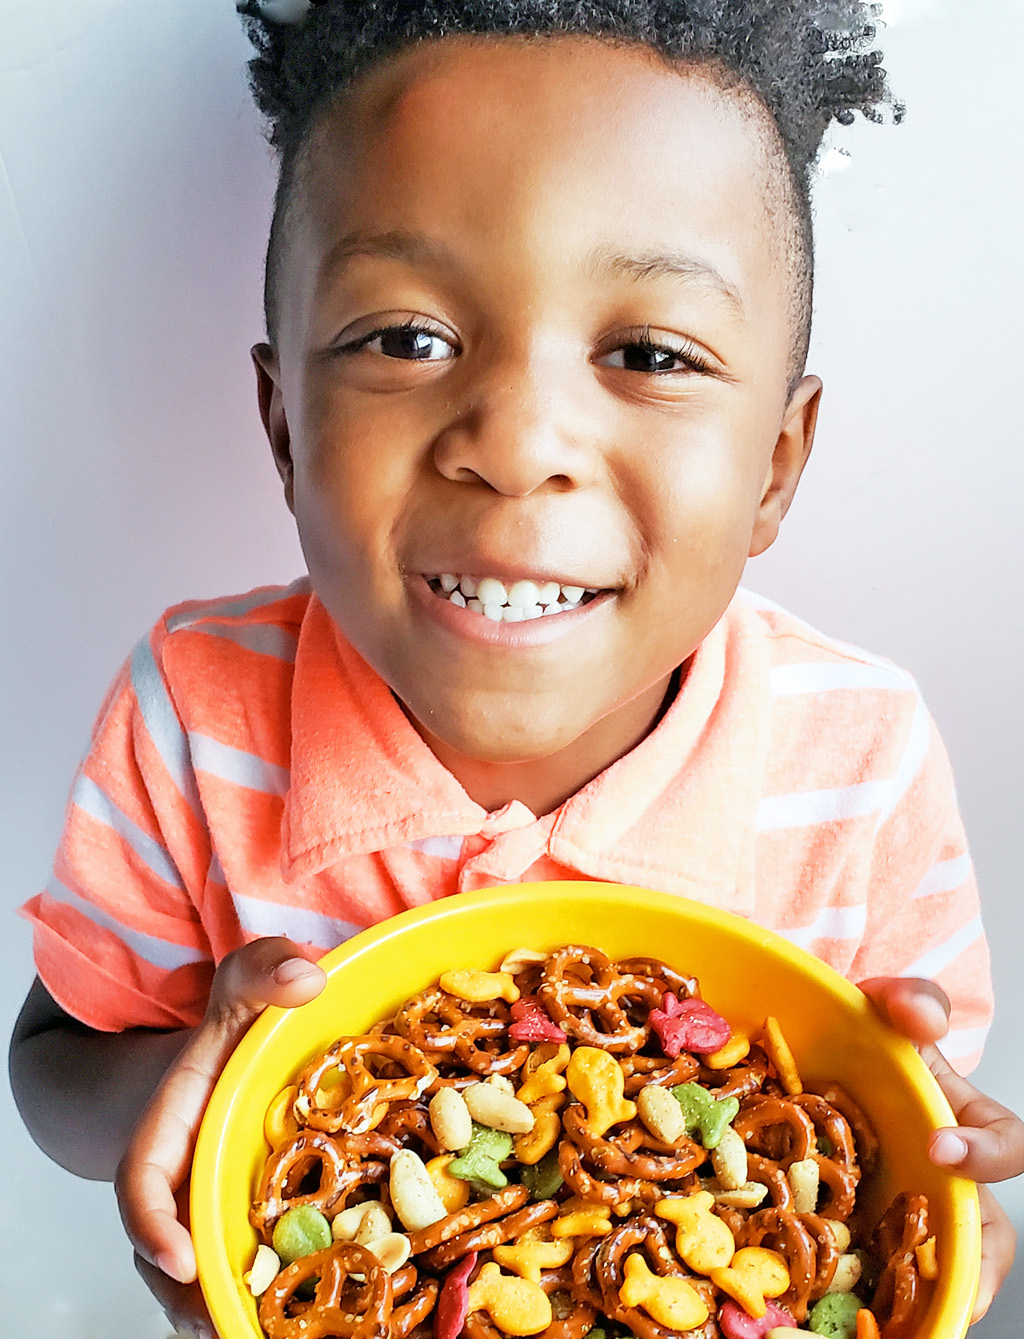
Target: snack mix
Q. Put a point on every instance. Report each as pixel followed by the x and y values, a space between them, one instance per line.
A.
pixel 580 1149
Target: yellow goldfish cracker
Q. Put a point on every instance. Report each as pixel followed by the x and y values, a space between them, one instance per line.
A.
pixel 279 1124
pixel 517 1306
pixel 595 1078
pixel 453 1190
pixel 734 1050
pixel 479 987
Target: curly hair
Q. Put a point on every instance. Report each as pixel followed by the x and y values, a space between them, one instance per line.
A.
pixel 809 62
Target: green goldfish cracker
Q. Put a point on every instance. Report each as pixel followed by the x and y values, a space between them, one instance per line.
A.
pixel 544 1178
pixel 706 1116
pixel 478 1162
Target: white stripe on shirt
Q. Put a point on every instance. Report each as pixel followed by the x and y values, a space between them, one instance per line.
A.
pixel 808 807
pixel 938 958
pixel 830 923
pixel 162 953
pixel 259 917
pixel 944 877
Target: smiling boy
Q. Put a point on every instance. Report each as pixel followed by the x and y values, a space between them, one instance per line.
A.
pixel 538 308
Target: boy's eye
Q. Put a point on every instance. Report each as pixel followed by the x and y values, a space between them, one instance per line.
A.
pixel 410 343
pixel 645 355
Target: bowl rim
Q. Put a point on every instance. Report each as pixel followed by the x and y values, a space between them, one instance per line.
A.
pixel 205 1179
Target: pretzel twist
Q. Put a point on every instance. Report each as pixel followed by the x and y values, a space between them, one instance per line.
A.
pixel 648 1235
pixel 586 996
pixel 342 1307
pixel 446 1028
pixel 285 1171
pixel 903 1228
pixel 776 1128
pixel 623 1154
pixel 784 1232
pixel 373 1071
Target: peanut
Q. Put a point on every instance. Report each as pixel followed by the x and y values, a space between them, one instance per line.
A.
pixel 265 1269
pixel 804 1178
pixel 847 1275
pixel 491 1106
pixel 361 1222
pixel 392 1250
pixel 519 960
pixel 747 1196
pixel 450 1119
pixel 729 1160
pixel 661 1113
pixel 413 1196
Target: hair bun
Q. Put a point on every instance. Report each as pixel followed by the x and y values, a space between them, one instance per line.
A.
pixel 282 12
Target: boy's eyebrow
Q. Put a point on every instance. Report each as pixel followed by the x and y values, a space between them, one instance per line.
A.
pixel 419 249
pixel 392 245
pixel 666 264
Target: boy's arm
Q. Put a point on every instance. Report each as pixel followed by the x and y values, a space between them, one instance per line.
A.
pixel 128 1105
pixel 81 1092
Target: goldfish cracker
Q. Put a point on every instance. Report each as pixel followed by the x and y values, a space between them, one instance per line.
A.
pixel 453 1190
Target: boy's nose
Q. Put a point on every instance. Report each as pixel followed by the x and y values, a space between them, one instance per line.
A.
pixel 518 434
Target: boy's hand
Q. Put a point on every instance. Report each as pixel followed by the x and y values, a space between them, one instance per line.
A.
pixel 988 1142
pixel 152 1179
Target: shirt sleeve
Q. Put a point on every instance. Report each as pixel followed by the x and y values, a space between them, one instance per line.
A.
pixel 117 935
pixel 923 913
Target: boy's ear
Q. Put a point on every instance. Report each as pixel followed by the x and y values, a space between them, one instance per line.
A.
pixel 792 448
pixel 268 389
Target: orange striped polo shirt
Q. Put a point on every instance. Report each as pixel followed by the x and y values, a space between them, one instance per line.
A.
pixel 250 775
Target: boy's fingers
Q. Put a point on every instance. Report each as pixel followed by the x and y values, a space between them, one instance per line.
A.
pixel 917 1008
pixel 988 1143
pixel 157 1161
pixel 998 1247
pixel 267 971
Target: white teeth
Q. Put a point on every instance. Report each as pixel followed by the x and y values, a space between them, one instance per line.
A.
pixel 517 602
pixel 491 591
pixel 523 594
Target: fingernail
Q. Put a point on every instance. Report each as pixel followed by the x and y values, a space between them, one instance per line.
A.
pixel 948 1148
pixel 293 970
pixel 168 1264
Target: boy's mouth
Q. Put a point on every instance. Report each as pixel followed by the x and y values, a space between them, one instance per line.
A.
pixel 509 601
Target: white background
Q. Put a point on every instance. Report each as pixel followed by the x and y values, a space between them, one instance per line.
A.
pixel 134 198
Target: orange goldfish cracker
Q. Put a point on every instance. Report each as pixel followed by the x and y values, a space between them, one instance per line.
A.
pixel 547 1126
pixel 595 1077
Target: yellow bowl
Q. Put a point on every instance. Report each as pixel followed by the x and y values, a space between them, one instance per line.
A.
pixel 745 972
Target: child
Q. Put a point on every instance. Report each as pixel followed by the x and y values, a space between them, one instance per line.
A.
pixel 538 298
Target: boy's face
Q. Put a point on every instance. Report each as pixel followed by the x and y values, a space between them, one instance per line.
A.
pixel 535 325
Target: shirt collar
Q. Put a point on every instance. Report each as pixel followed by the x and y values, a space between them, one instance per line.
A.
pixel 676 813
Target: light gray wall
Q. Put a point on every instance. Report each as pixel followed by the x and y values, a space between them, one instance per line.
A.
pixel 134 195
